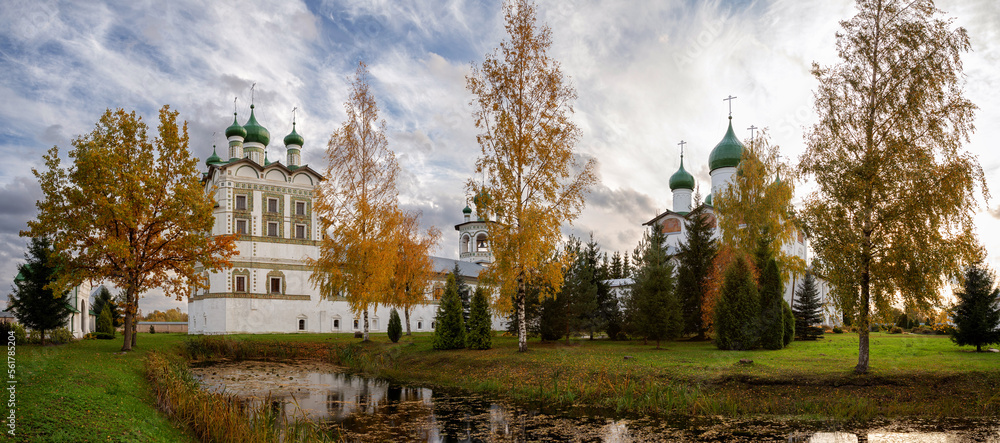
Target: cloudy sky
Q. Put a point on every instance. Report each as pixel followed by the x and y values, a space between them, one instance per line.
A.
pixel 648 74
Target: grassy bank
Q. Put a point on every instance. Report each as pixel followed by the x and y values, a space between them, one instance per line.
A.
pixel 86 392
pixel 912 375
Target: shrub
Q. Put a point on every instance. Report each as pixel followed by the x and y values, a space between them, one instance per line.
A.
pixel 875 328
pixel 786 311
pixel 34 336
pixel 104 336
pixel 837 330
pixel 19 335
pixel 896 330
pixel 104 321
pixel 152 330
pixel 479 322
pixel 395 328
pixel 60 336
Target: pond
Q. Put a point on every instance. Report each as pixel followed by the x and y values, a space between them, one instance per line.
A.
pixel 364 409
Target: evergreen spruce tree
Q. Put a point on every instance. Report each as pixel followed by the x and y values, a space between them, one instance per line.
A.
pixel 737 310
pixel 104 297
pixel 807 310
pixel 35 306
pixel 772 326
pixel 104 324
pixel 789 323
pixel 449 328
pixel 696 255
pixel 395 328
pixel 656 312
pixel 479 322
pixel 464 293
pixel 977 315
pixel 615 270
pixel 553 322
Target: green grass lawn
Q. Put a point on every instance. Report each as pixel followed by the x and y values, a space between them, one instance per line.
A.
pixel 84 391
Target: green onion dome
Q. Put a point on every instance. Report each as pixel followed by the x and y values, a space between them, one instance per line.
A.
pixel 681 179
pixel 708 200
pixel 294 138
pixel 235 129
pixel 728 152
pixel 213 159
pixel 255 132
pixel 266 161
pixel 467 210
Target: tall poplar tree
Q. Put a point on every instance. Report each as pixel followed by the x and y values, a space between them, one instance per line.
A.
pixel 132 211
pixel 533 180
pixel 892 215
pixel 358 207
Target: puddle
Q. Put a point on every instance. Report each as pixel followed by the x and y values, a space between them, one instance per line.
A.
pixel 362 409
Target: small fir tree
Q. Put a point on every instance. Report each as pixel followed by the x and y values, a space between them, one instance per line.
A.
pixel 696 256
pixel 479 319
pixel 772 326
pixel 655 310
pixel 395 328
pixel 464 293
pixel 104 321
pixel 33 304
pixel 552 319
pixel 807 310
pixel 789 323
pixel 977 315
pixel 104 297
pixel 737 310
pixel 449 329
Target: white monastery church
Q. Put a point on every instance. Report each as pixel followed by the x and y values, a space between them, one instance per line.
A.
pixel 723 162
pixel 269 205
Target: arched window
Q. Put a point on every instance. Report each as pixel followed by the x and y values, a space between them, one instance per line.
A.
pixel 302 324
pixel 466 244
pixel 482 245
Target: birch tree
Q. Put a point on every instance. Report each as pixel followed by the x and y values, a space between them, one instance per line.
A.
pixel 413 265
pixel 132 211
pixel 892 216
pixel 533 179
pixel 358 206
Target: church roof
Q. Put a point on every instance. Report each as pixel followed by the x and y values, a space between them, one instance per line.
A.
pixel 681 179
pixel 293 138
pixel 235 129
pixel 255 132
pixel 466 269
pixel 728 152
pixel 213 159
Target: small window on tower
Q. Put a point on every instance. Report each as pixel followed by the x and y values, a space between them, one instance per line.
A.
pixel 272 205
pixel 241 226
pixel 300 231
pixel 272 229
pixel 300 208
pixel 241 202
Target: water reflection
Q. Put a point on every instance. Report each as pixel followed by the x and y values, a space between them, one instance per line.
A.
pixel 362 409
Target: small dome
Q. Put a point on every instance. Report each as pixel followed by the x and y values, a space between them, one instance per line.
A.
pixel 294 138
pixel 467 210
pixel 728 152
pixel 708 200
pixel 266 161
pixel 255 132
pixel 213 159
pixel 235 129
pixel 681 179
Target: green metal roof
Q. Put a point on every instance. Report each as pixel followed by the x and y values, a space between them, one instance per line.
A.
pixel 467 210
pixel 255 132
pixel 681 179
pixel 728 152
pixel 235 129
pixel 213 159
pixel 708 200
pixel 294 138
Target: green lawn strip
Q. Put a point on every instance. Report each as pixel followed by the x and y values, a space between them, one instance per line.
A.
pixel 911 375
pixel 83 391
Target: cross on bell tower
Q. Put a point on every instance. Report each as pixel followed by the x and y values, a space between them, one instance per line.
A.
pixel 730 100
